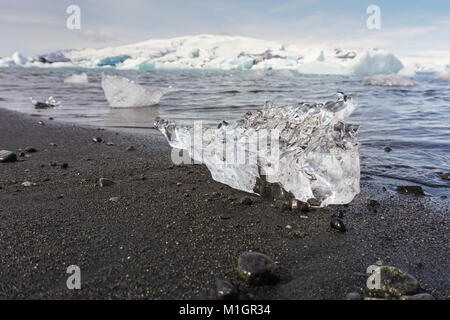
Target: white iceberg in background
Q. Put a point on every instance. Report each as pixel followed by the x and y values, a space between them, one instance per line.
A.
pixel 388 80
pixel 443 75
pixel 19 59
pixel 77 78
pixel 234 53
pixel 302 152
pixel 377 63
pixel 124 93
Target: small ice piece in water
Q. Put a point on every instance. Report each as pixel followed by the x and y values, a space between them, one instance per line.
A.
pixel 122 93
pixel 77 78
pixel 302 152
pixel 50 103
pixel 389 80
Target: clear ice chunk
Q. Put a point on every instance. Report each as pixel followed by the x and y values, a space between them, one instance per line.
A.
pixel 124 93
pixel 303 152
pixel 50 103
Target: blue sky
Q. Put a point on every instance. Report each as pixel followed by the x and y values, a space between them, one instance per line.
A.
pixel 40 26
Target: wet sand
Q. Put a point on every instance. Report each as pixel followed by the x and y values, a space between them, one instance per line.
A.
pixel 173 231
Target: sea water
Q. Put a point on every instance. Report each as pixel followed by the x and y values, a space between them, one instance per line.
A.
pixel 413 121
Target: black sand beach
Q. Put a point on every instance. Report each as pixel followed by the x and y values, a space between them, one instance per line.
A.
pixel 172 231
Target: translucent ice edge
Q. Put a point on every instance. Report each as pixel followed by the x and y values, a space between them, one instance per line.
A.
pixel 302 152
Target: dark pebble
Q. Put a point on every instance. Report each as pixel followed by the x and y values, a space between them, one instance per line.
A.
pixel 373 204
pixel 7 156
pixel 225 290
pixel 64 166
pixel 30 149
pixel 246 201
pixel 131 148
pixel 97 139
pixel 338 224
pixel 257 269
pixel 105 182
pixel 411 190
pixel 22 154
pixel 445 176
pixel 387 149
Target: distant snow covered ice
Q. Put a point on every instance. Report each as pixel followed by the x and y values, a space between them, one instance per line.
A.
pixel 388 80
pixel 224 53
pixel 124 93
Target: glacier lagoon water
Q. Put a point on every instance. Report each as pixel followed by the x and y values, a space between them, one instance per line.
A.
pixel 413 121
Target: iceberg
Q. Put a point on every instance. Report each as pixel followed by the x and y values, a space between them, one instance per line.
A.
pixel 377 63
pixel 77 78
pixel 302 152
pixel 122 93
pixel 222 52
pixel 19 59
pixel 443 75
pixel 388 80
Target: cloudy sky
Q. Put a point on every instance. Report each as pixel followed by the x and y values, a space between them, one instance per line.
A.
pixel 34 27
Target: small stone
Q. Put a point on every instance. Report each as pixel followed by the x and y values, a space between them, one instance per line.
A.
pixel 225 290
pixel 338 224
pixel 289 227
pixel 41 123
pixel 373 204
pixel 246 201
pixel 53 164
pixel 22 154
pixel 28 184
pixel 109 144
pixel 51 144
pixel 114 199
pixel 130 148
pixel 64 166
pixel 387 149
pixel 179 184
pixel 257 269
pixel 445 176
pixel 30 149
pixel 395 283
pixel 51 118
pixel 419 296
pixel 299 205
pixel 314 202
pixel 411 190
pixel 105 182
pixel 354 296
pixel 7 156
pixel 97 139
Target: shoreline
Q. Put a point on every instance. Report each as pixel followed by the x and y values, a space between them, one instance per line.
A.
pixel 171 231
